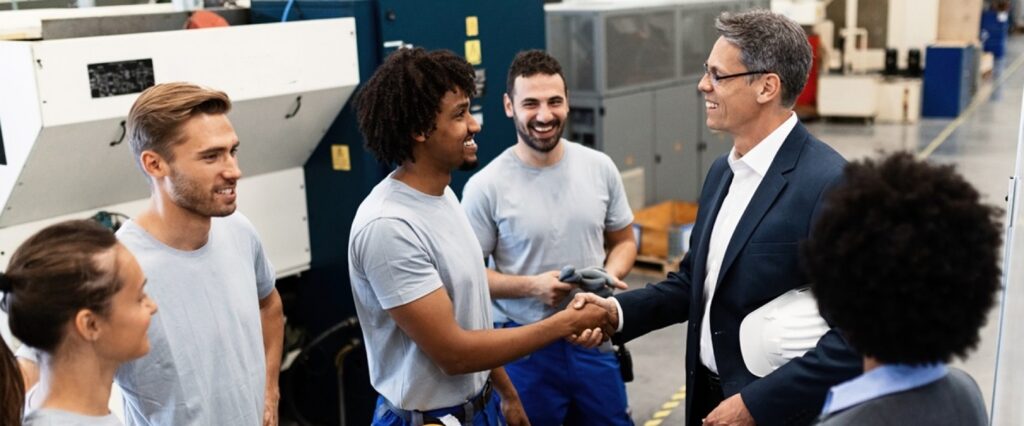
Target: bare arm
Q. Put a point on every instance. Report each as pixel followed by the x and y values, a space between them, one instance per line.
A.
pixel 544 286
pixel 621 247
pixel 511 406
pixel 430 322
pixel 272 319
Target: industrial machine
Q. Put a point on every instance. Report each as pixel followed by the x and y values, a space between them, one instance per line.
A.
pixel 71 75
pixel 63 103
pixel 632 69
pixel 853 84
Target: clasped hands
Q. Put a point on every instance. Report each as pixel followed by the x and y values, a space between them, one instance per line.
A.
pixel 598 319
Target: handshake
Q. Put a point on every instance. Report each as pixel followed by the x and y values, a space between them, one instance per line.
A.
pixel 592 318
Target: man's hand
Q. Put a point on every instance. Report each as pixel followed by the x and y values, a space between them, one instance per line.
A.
pixel 619 284
pixel 731 412
pixel 515 414
pixel 548 289
pixel 594 336
pixel 270 404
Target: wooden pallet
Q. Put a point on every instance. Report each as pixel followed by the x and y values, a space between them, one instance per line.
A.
pixel 654 265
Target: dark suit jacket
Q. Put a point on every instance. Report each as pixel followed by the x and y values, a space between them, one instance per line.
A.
pixel 761 262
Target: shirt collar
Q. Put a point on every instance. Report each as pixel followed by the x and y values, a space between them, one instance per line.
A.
pixel 885 380
pixel 760 157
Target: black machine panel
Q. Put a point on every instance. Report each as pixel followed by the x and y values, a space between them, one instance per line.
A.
pixel 120 78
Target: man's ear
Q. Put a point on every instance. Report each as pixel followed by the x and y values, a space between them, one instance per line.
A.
pixel 153 164
pixel 508 105
pixel 419 137
pixel 771 88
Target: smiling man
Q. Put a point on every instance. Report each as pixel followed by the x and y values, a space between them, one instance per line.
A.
pixel 757 204
pixel 542 204
pixel 217 340
pixel 417 277
pixel 216 344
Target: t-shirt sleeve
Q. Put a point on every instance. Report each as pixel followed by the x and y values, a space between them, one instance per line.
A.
pixel 395 261
pixel 265 275
pixel 619 214
pixel 479 210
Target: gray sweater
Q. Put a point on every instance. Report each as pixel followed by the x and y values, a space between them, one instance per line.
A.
pixel 953 400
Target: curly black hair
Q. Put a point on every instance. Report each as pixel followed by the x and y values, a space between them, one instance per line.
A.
pixel 403 98
pixel 529 63
pixel 904 260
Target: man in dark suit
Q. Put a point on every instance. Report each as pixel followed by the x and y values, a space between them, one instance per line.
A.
pixel 757 204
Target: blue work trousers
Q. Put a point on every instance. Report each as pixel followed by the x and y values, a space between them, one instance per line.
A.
pixel 564 384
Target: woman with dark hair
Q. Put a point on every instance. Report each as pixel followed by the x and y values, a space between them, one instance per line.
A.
pixel 904 260
pixel 76 295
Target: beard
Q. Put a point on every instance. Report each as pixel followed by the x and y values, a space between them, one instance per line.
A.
pixel 538 144
pixel 189 195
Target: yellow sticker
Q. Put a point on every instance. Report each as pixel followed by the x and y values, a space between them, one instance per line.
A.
pixel 473 54
pixel 340 159
pixel 472 26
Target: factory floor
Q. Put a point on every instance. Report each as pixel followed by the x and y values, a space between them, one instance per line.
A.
pixel 982 143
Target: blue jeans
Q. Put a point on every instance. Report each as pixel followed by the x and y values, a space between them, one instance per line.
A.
pixel 489 416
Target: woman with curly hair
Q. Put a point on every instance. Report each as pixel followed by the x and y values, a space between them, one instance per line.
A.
pixel 904 261
pixel 75 294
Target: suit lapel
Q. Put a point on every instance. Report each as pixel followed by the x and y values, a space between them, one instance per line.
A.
pixel 771 186
pixel 701 259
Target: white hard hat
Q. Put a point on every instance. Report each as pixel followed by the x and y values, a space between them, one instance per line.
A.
pixel 781 330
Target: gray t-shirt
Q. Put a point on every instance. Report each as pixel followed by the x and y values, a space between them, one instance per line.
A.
pixel 51 417
pixel 206 364
pixel 532 220
pixel 404 245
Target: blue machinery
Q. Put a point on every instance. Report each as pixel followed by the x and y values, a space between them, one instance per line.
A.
pixel 340 172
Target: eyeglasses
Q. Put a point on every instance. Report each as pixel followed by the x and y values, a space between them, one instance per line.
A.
pixel 715 78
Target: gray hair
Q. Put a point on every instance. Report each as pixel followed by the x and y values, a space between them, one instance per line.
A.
pixel 772 42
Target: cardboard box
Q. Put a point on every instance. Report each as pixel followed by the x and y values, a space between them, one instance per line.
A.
pixel 663 230
pixel 959 20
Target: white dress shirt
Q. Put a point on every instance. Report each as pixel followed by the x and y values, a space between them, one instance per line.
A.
pixel 748 171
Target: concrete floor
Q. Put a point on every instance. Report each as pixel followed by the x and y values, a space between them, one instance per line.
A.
pixel 982 143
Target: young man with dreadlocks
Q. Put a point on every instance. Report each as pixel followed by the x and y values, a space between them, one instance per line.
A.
pixel 418 279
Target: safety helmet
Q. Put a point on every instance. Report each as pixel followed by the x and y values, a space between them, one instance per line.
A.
pixel 781 330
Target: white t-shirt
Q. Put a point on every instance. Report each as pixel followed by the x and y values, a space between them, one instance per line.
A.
pixel 206 364
pixel 404 245
pixel 533 220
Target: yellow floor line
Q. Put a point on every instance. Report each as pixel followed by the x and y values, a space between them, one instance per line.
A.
pixel 979 98
pixel 667 408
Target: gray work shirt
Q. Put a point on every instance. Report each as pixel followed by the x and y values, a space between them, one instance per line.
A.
pixel 532 220
pixel 404 245
pixel 206 364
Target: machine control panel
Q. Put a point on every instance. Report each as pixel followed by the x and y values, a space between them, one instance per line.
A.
pixel 120 78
